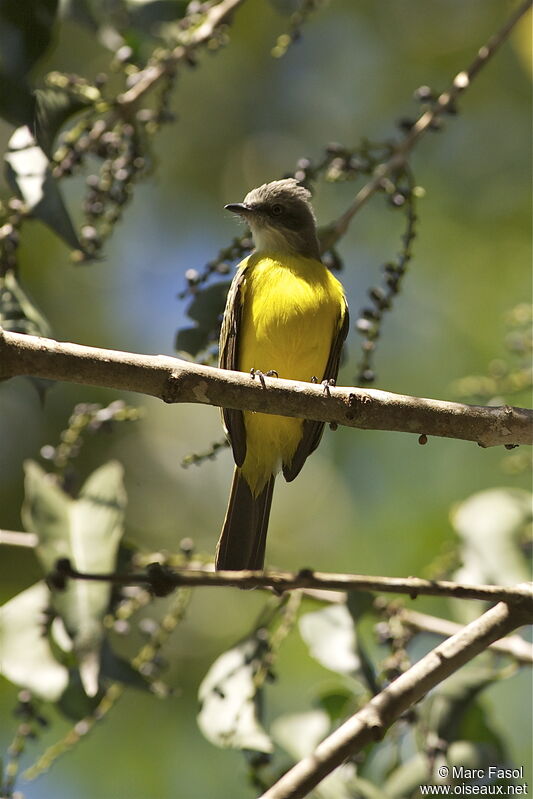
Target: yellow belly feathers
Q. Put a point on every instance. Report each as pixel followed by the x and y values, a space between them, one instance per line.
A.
pixel 293 307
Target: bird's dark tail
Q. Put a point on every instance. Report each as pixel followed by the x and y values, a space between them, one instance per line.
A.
pixel 243 538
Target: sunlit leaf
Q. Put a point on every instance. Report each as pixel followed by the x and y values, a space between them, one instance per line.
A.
pixel 86 530
pixel 406 778
pixel 26 655
pixel 330 635
pixel 490 525
pixel 299 734
pixel 28 170
pixel 229 703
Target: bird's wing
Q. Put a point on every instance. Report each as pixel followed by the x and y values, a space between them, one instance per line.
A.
pixel 228 359
pixel 312 431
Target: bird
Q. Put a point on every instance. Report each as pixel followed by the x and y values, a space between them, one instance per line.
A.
pixel 286 315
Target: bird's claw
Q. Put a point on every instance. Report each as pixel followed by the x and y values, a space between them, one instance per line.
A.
pixel 327 384
pixel 261 375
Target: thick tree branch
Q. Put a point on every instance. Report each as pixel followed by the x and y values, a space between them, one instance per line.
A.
pixel 174 380
pixel 372 721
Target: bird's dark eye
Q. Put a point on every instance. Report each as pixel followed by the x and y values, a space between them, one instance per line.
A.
pixel 277 209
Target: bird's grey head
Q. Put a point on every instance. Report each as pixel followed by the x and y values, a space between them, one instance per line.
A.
pixel 281 218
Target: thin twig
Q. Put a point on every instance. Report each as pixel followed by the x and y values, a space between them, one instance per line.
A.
pixel 174 380
pixel 427 120
pixel 512 645
pixel 14 538
pixel 149 76
pixel 371 722
pixel 163 580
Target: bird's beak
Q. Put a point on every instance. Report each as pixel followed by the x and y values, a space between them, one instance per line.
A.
pixel 239 208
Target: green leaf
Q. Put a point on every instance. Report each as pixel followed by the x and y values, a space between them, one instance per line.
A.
pixel 407 777
pixel 299 734
pixel 191 340
pixel 206 310
pixel 25 34
pixel 119 670
pixel 330 635
pixel 74 702
pixel 208 305
pixel 336 703
pixel 229 701
pixel 27 657
pixel 52 109
pixel 17 312
pixel 444 710
pixel 88 532
pixel 28 170
pixel 490 525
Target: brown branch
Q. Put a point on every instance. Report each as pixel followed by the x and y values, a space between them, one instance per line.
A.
pixel 162 580
pixel 148 77
pixel 14 538
pixel 512 645
pixel 425 122
pixel 174 380
pixel 371 722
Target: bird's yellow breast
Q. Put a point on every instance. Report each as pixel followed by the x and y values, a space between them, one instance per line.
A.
pixel 292 308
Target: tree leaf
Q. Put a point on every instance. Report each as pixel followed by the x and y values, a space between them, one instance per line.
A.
pixel 28 171
pixel 444 710
pixel 52 109
pixel 229 701
pixel 208 304
pixel 74 702
pixel 299 734
pixel 116 668
pixel 206 310
pixel 17 312
pixel 27 657
pixel 406 778
pixel 336 702
pixel 330 635
pixel 489 525
pixel 191 340
pixel 25 34
pixel 88 532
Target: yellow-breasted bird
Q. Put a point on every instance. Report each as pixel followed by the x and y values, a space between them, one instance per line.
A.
pixel 285 314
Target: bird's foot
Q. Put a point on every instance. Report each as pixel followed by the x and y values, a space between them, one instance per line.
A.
pixel 261 375
pixel 327 384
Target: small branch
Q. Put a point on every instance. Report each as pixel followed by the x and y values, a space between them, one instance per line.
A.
pixel 14 538
pixel 426 121
pixel 148 77
pixel 162 580
pixel 512 645
pixel 174 380
pixel 371 722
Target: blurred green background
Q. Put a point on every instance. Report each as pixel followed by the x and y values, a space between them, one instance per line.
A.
pixel 366 502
